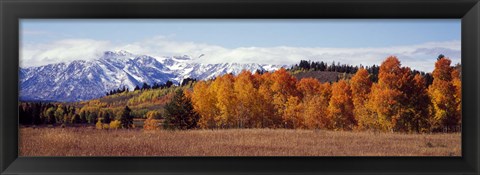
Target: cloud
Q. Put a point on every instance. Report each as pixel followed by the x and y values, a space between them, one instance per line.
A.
pixel 420 56
pixel 61 51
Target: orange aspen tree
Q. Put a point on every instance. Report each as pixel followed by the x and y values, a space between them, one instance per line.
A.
pixel 421 105
pixel 314 102
pixel 284 86
pixel 457 83
pixel 385 100
pixel 361 86
pixel 340 107
pixel 308 87
pixel 442 94
pixel 403 122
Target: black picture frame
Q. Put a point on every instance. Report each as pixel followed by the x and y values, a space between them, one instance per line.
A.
pixel 13 10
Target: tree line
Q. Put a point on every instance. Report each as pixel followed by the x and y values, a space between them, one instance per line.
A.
pixel 399 101
pixel 37 113
pixel 373 70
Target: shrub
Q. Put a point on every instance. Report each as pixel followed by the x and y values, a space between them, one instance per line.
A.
pixel 115 124
pixel 151 124
pixel 99 125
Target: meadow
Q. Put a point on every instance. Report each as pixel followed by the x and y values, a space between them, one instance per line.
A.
pixel 88 141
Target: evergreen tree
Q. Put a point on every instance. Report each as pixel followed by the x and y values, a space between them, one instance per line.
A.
pixel 169 84
pixel 145 86
pixel 76 119
pixel 179 113
pixel 125 117
pixel 83 117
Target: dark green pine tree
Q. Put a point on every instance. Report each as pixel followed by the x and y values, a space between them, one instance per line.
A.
pixel 106 117
pixel 83 117
pixel 179 113
pixel 126 117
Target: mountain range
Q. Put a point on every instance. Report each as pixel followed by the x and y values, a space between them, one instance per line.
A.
pixel 84 80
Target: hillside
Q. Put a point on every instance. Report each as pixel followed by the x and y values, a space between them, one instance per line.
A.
pixel 140 101
pixel 322 76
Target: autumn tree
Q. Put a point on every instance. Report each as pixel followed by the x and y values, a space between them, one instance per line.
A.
pixel 457 83
pixel 385 100
pixel 59 113
pixel 50 115
pixel 152 122
pixel 340 107
pixel 223 90
pixel 268 116
pixel 361 85
pixel 293 113
pixel 92 117
pixel 419 105
pixel 442 93
pixel 283 86
pixel 204 103
pixel 316 97
pixel 248 105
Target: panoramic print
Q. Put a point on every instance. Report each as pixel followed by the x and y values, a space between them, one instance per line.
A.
pixel 238 87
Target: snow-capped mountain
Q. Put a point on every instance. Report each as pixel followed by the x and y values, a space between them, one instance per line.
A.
pixel 84 80
pixel 183 67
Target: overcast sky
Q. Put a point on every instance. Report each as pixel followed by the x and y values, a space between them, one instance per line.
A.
pixel 417 43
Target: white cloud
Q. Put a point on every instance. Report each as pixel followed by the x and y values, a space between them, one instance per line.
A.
pixel 420 56
pixel 61 51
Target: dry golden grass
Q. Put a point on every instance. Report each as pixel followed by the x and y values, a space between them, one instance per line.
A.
pixel 233 142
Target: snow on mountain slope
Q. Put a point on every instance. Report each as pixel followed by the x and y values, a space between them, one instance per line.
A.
pixel 84 80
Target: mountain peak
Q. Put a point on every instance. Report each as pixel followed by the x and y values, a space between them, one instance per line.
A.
pixel 84 80
pixel 118 53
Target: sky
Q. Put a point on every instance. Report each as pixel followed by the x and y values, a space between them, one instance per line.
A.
pixel 416 43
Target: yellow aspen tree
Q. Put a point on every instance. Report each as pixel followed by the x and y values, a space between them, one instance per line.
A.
pixel 293 113
pixel 152 122
pixel 248 105
pixel 223 88
pixel 340 107
pixel 361 86
pixel 269 118
pixel 315 112
pixel 204 103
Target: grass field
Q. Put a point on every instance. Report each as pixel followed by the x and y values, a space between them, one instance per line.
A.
pixel 233 142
